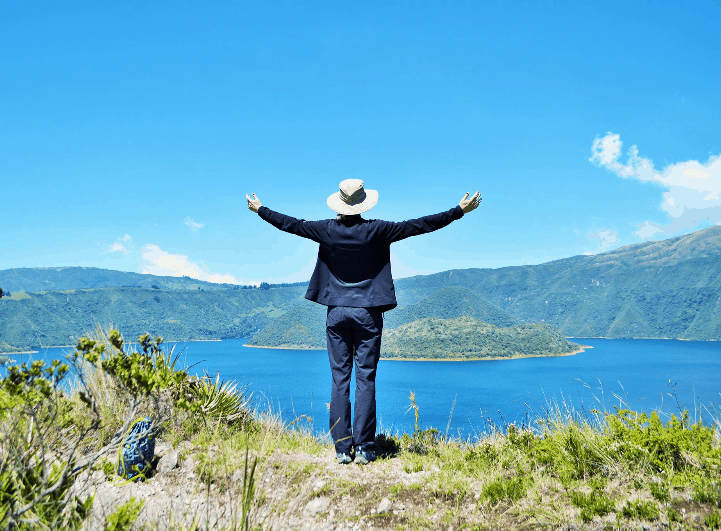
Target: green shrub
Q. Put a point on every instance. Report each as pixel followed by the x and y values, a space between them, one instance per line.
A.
pixel 642 510
pixel 708 491
pixel 386 445
pixel 511 489
pixel 640 439
pixel 713 520
pixel 594 504
pixel 35 483
pixel 218 400
pixel 660 491
pixel 124 516
pixel 574 450
pixel 521 439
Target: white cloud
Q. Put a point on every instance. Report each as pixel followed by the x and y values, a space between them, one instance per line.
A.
pixel 121 245
pixel 193 224
pixel 693 189
pixel 117 247
pixel 606 238
pixel 162 263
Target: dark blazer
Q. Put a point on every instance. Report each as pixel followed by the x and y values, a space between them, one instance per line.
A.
pixel 354 257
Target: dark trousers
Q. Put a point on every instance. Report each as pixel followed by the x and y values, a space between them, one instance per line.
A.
pixel 353 334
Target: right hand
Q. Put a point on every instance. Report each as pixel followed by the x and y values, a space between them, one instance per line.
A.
pixel 469 205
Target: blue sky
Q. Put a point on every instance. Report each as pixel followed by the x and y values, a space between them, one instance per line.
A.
pixel 130 133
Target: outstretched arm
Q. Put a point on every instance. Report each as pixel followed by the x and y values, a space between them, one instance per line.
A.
pixel 299 227
pixel 413 227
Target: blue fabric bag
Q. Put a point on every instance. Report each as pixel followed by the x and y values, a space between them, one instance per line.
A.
pixel 136 454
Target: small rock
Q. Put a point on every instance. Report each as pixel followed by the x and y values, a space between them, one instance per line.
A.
pixel 318 484
pixel 317 505
pixel 384 506
pixel 162 447
pixel 168 462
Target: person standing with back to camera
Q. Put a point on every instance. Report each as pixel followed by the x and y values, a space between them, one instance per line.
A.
pixel 352 277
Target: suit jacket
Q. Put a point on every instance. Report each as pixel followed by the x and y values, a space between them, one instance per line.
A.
pixel 354 255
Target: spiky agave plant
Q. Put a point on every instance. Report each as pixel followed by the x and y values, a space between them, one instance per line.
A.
pixel 220 400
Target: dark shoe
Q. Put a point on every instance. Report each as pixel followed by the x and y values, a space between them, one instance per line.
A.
pixel 343 459
pixel 363 457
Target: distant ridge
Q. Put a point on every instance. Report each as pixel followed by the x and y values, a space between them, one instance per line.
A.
pixel 661 289
pixel 35 279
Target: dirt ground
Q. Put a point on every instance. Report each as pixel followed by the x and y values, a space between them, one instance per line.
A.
pixel 298 491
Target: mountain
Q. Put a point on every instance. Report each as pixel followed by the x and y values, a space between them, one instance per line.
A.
pixel 466 338
pixel 33 279
pixel 669 288
pixel 61 317
pixel 449 302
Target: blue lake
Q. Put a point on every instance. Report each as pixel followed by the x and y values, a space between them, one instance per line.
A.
pixel 641 373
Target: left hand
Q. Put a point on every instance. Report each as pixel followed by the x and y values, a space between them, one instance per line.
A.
pixel 253 204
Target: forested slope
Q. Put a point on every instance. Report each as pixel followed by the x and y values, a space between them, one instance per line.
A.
pixel 61 317
pixel 466 338
pixel 670 288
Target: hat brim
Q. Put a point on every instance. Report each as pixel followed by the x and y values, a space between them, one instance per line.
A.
pixel 340 206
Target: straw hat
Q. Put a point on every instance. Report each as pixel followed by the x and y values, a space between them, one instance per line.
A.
pixel 352 198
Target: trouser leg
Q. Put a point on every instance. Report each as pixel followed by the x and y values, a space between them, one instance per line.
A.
pixel 368 328
pixel 339 336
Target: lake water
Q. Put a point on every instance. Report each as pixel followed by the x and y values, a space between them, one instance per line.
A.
pixel 641 373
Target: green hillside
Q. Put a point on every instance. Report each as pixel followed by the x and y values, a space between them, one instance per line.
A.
pixel 61 317
pixel 669 288
pixel 301 326
pixel 449 302
pixel 466 338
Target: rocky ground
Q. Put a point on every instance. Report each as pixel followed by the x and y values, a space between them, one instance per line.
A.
pixel 311 492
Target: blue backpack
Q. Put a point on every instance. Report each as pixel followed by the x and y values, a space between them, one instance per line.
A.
pixel 136 453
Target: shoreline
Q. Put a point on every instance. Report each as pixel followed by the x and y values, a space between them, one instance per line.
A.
pixel 635 338
pixel 494 358
pixel 165 342
pixel 283 348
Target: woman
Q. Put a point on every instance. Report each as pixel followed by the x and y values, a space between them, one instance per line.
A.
pixel 352 277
